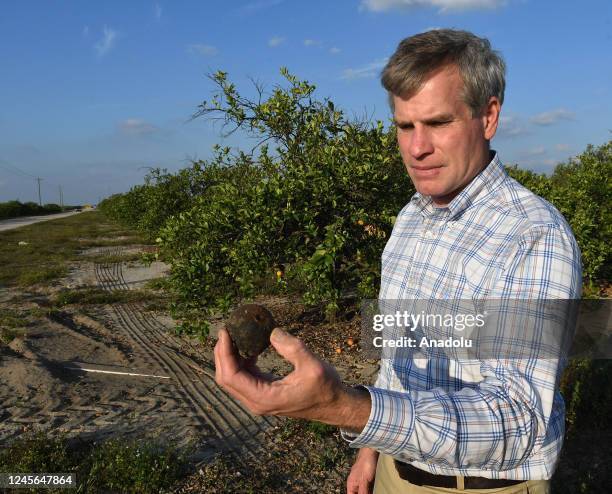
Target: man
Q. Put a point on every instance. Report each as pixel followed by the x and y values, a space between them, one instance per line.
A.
pixel 470 232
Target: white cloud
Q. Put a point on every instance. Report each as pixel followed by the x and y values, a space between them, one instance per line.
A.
pixel 334 50
pixel 206 50
pixel 562 147
pixel 136 127
pixel 510 126
pixel 106 44
pixel 369 70
pixel 312 42
pixel 275 41
pixel 157 11
pixel 552 117
pixel 443 6
pixel 532 153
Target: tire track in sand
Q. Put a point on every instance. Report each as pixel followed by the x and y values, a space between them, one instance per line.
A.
pixel 235 430
pixel 260 425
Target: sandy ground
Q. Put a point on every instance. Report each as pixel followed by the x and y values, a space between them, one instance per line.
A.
pixel 120 371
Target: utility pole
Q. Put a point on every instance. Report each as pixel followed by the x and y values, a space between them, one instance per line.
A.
pixel 38 179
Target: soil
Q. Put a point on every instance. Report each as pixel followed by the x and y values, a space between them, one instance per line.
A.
pixel 120 370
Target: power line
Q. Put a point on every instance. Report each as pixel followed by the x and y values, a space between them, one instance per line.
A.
pixel 16 170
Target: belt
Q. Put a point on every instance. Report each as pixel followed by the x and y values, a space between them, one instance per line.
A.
pixel 417 476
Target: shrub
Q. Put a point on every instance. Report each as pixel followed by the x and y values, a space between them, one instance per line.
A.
pixel 582 192
pixel 580 189
pixel 314 200
pixel 14 209
pixel 319 207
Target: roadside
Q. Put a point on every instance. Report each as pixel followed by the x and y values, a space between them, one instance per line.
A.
pixel 30 220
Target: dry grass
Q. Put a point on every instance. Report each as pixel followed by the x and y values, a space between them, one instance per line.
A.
pixel 50 245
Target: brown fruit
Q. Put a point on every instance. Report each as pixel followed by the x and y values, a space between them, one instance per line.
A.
pixel 250 326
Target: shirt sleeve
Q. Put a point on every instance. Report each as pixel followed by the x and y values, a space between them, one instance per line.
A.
pixel 499 422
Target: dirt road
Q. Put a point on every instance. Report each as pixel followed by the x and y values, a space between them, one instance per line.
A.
pixel 28 220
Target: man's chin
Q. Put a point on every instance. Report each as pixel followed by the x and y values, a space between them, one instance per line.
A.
pixel 427 190
pixel 439 197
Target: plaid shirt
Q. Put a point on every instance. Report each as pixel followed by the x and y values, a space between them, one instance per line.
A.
pixel 494 418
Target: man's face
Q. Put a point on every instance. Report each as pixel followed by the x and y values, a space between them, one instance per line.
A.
pixel 442 146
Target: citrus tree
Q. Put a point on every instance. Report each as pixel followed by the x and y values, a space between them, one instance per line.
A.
pixel 312 204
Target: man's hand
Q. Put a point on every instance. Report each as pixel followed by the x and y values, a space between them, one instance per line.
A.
pixel 361 478
pixel 312 391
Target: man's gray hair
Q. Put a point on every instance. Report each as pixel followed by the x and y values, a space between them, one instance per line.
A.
pixel 482 69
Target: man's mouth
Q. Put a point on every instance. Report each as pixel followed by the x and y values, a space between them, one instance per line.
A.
pixel 425 168
pixel 425 172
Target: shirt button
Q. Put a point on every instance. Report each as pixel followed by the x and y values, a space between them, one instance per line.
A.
pixel 428 234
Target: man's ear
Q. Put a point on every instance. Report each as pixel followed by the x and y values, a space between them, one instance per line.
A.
pixel 490 117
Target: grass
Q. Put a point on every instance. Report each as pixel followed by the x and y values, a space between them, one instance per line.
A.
pixel 110 466
pixel 320 429
pixel 299 458
pixel 13 318
pixel 117 466
pixel 47 247
pixel 88 296
pixel 13 322
pixel 153 301
pixel 158 284
pixel 8 334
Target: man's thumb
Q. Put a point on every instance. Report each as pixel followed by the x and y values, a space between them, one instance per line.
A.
pixel 289 347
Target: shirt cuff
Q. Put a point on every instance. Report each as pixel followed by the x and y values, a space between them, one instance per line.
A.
pixel 390 424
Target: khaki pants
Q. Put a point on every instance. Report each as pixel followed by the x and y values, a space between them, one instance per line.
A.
pixel 389 482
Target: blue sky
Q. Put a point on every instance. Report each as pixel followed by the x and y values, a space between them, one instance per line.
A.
pixel 93 92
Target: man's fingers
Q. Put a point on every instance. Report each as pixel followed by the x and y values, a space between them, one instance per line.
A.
pixel 232 375
pixel 291 348
pixel 227 366
pixel 226 360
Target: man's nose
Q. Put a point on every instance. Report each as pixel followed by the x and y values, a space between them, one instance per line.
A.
pixel 420 143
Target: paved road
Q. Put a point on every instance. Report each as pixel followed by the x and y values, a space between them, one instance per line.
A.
pixel 28 220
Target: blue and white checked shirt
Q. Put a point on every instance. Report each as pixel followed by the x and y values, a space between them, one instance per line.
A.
pixel 491 418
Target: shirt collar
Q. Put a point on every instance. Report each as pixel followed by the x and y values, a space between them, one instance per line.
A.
pixel 481 185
